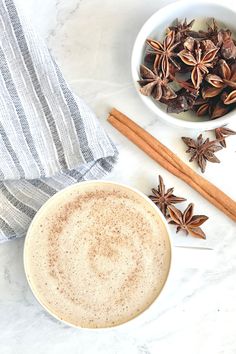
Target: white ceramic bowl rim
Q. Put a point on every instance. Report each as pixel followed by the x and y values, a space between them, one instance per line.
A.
pixel 132 321
pixel 138 45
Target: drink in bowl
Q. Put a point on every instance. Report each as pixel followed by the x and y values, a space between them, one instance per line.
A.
pixel 97 254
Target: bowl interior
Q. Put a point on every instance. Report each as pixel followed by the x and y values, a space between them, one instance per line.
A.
pixel 156 26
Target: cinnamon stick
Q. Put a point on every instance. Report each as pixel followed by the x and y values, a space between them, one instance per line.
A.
pixel 171 162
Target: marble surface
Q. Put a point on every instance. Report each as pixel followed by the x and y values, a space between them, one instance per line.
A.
pixel 92 42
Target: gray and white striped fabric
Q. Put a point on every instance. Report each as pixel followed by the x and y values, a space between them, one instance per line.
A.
pixel 49 138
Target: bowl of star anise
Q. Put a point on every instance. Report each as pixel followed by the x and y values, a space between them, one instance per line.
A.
pixel 185 69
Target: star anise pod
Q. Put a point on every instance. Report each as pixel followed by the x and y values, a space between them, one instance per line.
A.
pixel 182 103
pixel 212 32
pixel 186 221
pixel 163 198
pixel 226 78
pixel 219 110
pixel 212 106
pixel 199 59
pixel 229 98
pixel 164 53
pixel 182 29
pixel 222 86
pixel 155 85
pixel 228 48
pixel 205 44
pixel 203 106
pixel 202 151
pixel 222 133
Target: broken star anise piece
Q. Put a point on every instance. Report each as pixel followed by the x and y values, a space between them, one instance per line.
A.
pixel 199 59
pixel 228 48
pixel 163 198
pixel 182 29
pixel 155 85
pixel 182 103
pixel 164 53
pixel 202 151
pixel 222 133
pixel 212 32
pixel 186 221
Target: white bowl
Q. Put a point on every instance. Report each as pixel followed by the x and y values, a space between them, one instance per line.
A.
pixel 155 26
pixel 139 319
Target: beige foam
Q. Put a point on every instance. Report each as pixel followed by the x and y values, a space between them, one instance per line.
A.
pixel 98 256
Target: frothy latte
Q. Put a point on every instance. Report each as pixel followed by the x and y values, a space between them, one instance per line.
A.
pixel 97 255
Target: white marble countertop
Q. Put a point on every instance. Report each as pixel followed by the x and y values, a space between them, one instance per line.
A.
pixel 92 41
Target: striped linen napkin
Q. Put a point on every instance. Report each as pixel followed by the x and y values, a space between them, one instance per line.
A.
pixel 49 138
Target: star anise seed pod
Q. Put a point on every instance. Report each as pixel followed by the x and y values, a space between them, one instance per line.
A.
pixel 225 79
pixel 218 110
pixel 222 133
pixel 163 198
pixel 164 53
pixel 154 85
pixel 229 98
pixel 202 106
pixel 200 61
pixel 186 221
pixel 202 151
pixel 203 109
pixel 214 107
